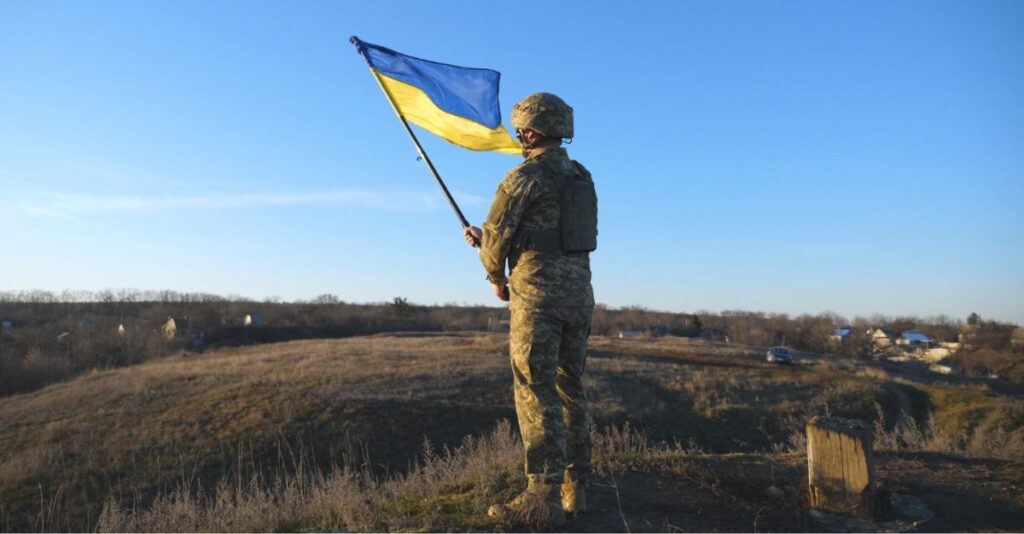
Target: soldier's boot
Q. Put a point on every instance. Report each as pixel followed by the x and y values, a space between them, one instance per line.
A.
pixel 539 506
pixel 574 495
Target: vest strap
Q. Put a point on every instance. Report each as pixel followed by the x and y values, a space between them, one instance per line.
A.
pixel 541 241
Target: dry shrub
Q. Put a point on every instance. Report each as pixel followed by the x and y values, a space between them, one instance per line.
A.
pixel 1004 363
pixel 35 370
pixel 625 447
pixel 344 498
pixel 793 428
pixel 446 490
pixel 797 441
pixel 620 441
pixel 990 439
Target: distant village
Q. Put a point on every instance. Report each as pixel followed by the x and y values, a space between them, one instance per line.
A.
pixel 887 344
pixel 169 329
pixel 877 343
pixel 114 334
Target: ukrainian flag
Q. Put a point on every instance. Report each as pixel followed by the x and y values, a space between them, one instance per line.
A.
pixel 458 104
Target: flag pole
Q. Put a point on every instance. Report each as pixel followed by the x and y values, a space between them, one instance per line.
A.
pixel 419 148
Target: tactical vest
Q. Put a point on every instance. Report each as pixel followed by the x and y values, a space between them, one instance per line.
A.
pixel 577 227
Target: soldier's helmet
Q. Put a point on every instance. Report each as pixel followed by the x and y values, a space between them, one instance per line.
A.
pixel 545 114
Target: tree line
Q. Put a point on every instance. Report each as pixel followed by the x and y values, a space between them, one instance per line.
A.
pixel 49 336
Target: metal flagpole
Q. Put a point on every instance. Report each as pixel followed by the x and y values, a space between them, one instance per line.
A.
pixel 415 141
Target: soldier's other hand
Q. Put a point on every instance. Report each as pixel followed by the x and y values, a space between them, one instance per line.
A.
pixel 472 235
pixel 501 291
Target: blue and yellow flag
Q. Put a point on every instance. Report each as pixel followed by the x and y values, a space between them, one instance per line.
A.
pixel 458 104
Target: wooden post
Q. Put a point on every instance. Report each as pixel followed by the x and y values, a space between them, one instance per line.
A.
pixel 840 467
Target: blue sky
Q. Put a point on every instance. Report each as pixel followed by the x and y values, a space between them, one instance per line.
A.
pixel 795 157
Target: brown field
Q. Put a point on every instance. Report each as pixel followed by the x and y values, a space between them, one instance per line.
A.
pixel 405 432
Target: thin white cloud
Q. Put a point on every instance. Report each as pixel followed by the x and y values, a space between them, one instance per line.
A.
pixel 73 207
pixel 467 199
pixel 46 212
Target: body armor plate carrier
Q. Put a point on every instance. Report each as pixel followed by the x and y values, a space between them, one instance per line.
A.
pixel 577 231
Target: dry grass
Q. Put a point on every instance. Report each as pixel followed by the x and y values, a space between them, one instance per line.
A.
pixel 443 491
pixel 965 421
pixel 329 434
pixel 132 433
pixel 644 485
pixel 449 491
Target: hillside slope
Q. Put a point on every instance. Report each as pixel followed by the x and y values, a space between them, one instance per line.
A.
pixel 379 404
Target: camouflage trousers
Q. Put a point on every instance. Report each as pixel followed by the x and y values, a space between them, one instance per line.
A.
pixel 548 352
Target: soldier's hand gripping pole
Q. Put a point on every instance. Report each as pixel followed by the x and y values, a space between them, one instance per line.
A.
pixel 415 141
pixel 473 236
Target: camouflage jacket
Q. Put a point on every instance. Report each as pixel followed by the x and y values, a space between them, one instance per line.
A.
pixel 527 201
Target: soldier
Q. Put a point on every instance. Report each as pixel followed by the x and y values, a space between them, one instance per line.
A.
pixel 543 223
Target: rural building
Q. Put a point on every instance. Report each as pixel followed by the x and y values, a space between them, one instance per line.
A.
pixel 915 339
pixel 198 341
pixel 169 329
pixel 841 336
pixel 1017 337
pixel 255 319
pixel 967 334
pixel 713 334
pixel 882 337
pixel 658 331
pixel 843 333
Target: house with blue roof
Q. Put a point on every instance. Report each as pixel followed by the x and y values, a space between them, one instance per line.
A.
pixel 841 336
pixel 916 339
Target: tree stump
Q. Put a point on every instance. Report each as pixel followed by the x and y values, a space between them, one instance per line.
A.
pixel 840 468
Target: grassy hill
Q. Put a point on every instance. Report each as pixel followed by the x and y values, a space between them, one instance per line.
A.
pixel 405 432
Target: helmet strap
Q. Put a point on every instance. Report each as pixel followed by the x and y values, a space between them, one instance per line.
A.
pixel 540 141
pixel 522 140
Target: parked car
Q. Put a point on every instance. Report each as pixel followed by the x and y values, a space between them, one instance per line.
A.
pixel 779 355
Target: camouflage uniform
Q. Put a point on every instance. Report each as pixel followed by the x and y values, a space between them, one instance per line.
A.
pixel 551 305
